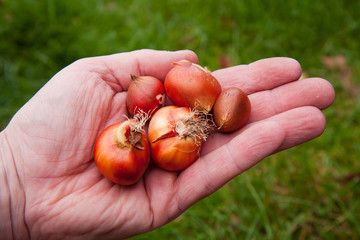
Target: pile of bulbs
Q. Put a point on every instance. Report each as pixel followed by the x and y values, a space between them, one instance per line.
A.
pixel 176 133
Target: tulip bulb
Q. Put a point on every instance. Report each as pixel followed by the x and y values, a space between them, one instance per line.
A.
pixel 231 110
pixel 176 135
pixel 190 85
pixel 145 94
pixel 122 151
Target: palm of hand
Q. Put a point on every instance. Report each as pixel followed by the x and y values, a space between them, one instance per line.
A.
pixel 65 193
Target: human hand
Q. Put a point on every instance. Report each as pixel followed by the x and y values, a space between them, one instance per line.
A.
pixel 47 149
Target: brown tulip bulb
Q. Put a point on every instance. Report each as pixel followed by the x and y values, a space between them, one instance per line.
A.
pixel 231 110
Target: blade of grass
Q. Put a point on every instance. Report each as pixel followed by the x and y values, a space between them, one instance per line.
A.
pixel 261 207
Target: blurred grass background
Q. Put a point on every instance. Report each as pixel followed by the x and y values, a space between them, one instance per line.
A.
pixel 309 192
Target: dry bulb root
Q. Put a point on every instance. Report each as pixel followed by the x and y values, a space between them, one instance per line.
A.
pixel 197 125
pixel 132 134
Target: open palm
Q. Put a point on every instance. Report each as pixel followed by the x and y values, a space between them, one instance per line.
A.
pixel 52 138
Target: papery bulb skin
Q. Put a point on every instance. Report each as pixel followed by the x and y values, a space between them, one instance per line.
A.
pixel 175 137
pixel 231 110
pixel 146 94
pixel 190 85
pixel 122 153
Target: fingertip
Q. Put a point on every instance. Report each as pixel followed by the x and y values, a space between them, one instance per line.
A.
pixel 295 65
pixel 318 123
pixel 292 65
pixel 331 92
pixel 327 90
pixel 189 55
pixel 282 69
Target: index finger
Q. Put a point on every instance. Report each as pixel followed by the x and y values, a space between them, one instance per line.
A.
pixel 115 69
pixel 261 75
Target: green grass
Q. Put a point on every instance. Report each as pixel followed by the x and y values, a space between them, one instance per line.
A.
pixel 302 193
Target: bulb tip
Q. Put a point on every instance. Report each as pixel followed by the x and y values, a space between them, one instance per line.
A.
pixel 133 77
pixel 183 62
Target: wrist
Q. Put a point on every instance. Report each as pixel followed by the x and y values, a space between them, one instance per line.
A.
pixel 12 196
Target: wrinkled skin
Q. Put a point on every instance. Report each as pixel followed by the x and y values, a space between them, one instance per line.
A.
pixel 47 149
